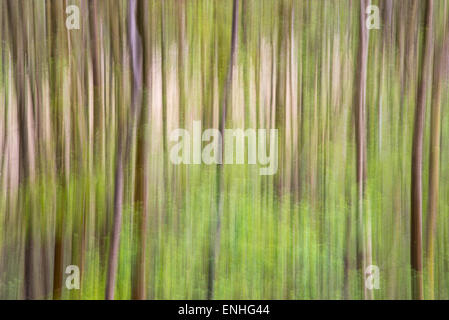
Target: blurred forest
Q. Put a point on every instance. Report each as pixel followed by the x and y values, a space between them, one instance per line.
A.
pixel 85 179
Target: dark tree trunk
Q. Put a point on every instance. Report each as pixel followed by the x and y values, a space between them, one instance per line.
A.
pixel 141 175
pixel 215 247
pixel 125 141
pixel 416 183
pixel 434 158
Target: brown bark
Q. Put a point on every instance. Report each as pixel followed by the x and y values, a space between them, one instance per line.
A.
pixel 26 135
pixel 58 46
pixel 416 183
pixel 434 159
pixel 142 174
pixel 124 145
pixel 98 106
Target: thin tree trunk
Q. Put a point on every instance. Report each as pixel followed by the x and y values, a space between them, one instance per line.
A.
pixel 142 170
pixel 57 49
pixel 124 146
pixel 215 248
pixel 416 184
pixel 98 106
pixel 434 161
pixel 360 132
pixel 166 165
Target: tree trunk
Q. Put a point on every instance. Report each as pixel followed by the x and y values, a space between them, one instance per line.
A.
pixel 363 255
pixel 142 174
pixel 124 145
pixel 416 184
pixel 434 160
pixel 219 174
pixel 98 106
pixel 26 199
